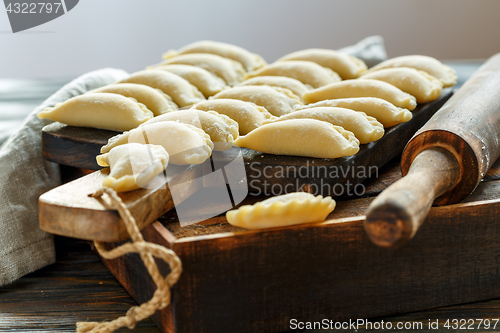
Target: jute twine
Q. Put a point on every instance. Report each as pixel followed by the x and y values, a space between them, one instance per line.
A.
pixel 161 297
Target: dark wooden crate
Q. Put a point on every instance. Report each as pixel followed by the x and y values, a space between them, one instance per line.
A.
pixel 257 281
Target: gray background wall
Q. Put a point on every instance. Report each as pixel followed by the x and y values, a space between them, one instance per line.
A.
pixel 131 34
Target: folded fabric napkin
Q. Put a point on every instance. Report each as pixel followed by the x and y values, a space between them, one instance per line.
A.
pixel 25 174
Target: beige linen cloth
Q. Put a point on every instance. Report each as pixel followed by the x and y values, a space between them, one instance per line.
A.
pixel 25 174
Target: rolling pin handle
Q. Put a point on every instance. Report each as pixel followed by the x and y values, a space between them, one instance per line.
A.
pixel 396 214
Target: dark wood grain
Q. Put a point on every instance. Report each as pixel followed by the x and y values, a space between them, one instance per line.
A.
pixel 74 146
pixel 79 287
pixel 76 288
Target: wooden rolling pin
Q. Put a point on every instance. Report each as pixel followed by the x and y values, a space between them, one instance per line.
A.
pixel 444 161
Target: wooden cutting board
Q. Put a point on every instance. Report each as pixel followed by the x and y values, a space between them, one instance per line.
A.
pixel 68 211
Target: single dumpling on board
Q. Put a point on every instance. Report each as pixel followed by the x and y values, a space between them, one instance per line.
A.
pixel 427 64
pixel 365 128
pixel 182 92
pixel 301 137
pixel 100 110
pixel 294 85
pixel 184 143
pixel 283 210
pixel 348 67
pixel 362 88
pixel 278 101
pixel 229 70
pixel 221 129
pixel 133 165
pixel 423 86
pixel 206 82
pixel 386 113
pixel 250 61
pixel 309 73
pixel 154 99
pixel 248 115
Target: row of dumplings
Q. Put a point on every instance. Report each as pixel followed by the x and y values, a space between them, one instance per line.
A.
pixel 288 107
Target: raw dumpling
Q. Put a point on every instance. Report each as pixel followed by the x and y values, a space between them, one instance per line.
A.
pixel 278 101
pixel 424 63
pixel 365 128
pixel 101 110
pixel 185 144
pixel 301 137
pixel 206 82
pixel 154 99
pixel 221 129
pixel 182 92
pixel 248 115
pixel 417 83
pixel 295 86
pixel 133 165
pixel 307 72
pixel 229 70
pixel 250 61
pixel 386 113
pixel 346 66
pixel 362 88
pixel 283 210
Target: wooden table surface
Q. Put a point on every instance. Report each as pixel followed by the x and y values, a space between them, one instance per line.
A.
pixel 78 287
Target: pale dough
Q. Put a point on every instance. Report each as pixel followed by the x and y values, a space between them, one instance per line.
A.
pixel 362 88
pixel 283 210
pixel 423 86
pixel 250 61
pixel 307 72
pixel 348 67
pixel 221 129
pixel 185 144
pixel 182 92
pixel 100 110
pixel 278 101
pixel 154 99
pixel 206 82
pixel 248 115
pixel 294 85
pixel 133 165
pixel 365 128
pixel 301 137
pixel 427 64
pixel 229 70
pixel 386 113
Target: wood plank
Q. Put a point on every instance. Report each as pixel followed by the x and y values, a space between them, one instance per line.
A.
pixel 78 287
pixel 68 210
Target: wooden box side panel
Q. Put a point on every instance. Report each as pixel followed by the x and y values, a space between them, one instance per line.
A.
pixel 259 281
pixel 130 271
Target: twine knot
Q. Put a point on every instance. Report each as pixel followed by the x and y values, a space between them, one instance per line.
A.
pixel 161 296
